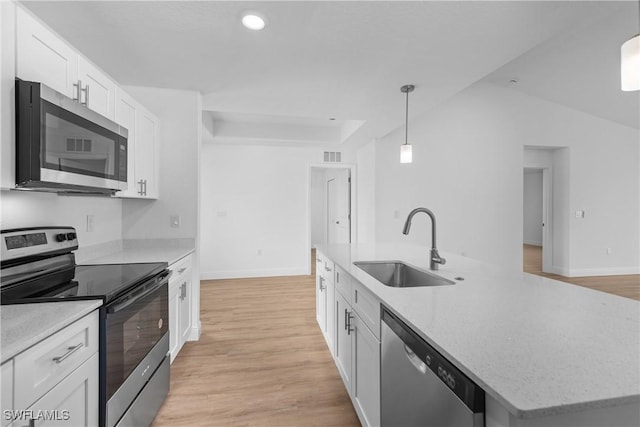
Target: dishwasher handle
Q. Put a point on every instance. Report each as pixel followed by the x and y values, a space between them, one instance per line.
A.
pixel 415 360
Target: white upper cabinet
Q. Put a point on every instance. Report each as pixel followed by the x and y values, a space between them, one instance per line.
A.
pixel 42 56
pixel 142 159
pixel 97 90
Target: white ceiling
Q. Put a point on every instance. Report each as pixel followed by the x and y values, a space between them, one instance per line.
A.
pixel 317 60
pixel 581 68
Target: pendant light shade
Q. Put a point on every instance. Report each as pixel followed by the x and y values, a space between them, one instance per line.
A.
pixel 406 151
pixel 630 64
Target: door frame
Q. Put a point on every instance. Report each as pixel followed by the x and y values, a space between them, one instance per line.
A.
pixel 354 208
pixel 547 216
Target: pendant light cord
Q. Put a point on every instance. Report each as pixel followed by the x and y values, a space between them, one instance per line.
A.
pixel 406 121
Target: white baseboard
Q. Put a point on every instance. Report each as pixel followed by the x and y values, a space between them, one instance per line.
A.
pixel 194 334
pixel 532 243
pixel 607 271
pixel 241 274
pixel 583 272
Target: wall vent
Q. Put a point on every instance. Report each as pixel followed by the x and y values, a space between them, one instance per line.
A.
pixel 79 145
pixel 332 156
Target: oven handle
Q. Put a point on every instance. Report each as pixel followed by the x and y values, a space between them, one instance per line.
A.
pixel 160 282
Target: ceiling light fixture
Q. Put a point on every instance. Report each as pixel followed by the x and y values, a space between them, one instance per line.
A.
pixel 253 21
pixel 630 64
pixel 406 154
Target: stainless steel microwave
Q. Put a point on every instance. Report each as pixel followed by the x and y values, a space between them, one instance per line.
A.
pixel 63 146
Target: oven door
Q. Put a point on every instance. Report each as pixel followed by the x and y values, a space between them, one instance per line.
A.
pixel 137 342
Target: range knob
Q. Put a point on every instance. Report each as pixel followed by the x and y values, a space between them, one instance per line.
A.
pixel 61 237
pixel 71 236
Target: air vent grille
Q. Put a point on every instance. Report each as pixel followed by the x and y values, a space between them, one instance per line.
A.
pixel 79 145
pixel 332 156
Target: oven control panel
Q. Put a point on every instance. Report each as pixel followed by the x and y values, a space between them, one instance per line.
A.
pixel 35 241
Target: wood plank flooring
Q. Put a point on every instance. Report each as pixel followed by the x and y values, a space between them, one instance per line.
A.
pixel 261 361
pixel 627 286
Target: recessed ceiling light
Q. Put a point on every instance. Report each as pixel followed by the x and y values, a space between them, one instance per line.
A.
pixel 253 21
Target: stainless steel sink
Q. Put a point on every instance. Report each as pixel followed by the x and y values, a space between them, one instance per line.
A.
pixel 400 275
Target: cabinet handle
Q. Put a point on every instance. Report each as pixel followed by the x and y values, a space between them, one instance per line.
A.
pixel 70 351
pixel 322 288
pixel 318 259
pixel 140 184
pixel 78 89
pixel 145 187
pixel 349 317
pixel 337 276
pixel 183 291
pixel 181 270
pixel 327 268
pixel 86 96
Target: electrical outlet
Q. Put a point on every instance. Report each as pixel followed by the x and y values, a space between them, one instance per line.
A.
pixel 175 221
pixel 90 223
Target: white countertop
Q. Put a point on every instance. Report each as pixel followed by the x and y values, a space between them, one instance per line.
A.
pixel 23 325
pixel 538 346
pixel 138 250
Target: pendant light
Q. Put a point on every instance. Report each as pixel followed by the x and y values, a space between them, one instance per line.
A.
pixel 630 64
pixel 406 155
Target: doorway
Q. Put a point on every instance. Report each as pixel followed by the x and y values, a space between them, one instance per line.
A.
pixel 331 204
pixel 537 220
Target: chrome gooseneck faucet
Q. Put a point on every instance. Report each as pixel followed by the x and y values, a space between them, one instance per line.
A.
pixel 435 257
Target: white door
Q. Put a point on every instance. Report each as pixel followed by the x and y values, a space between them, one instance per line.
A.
pixel 343 206
pixel 331 211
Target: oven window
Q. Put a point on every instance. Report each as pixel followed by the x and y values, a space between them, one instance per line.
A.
pixel 131 333
pixel 74 144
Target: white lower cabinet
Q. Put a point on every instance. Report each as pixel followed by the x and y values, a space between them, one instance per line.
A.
pixel 179 305
pixel 354 346
pixel 57 379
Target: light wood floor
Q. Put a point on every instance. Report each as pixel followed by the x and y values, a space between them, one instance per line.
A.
pixel 625 286
pixel 261 361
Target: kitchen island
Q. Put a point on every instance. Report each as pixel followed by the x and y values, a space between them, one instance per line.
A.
pixel 545 352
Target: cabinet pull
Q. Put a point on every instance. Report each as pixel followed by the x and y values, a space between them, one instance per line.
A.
pixel 86 96
pixel 183 291
pixel 318 260
pixel 78 90
pixel 181 270
pixel 327 268
pixel 346 317
pixel 349 317
pixel 140 184
pixel 322 288
pixel 145 187
pixel 70 351
pixel 337 276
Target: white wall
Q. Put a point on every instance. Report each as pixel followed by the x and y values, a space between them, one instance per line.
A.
pixel 31 209
pixel 180 116
pixel 366 194
pixel 532 208
pixel 254 210
pixel 468 159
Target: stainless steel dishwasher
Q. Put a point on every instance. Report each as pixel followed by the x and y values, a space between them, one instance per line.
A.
pixel 420 387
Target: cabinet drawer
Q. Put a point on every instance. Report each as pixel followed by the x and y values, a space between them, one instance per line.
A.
pixel 328 268
pixel 181 269
pixel 343 281
pixel 6 398
pixel 47 363
pixel 367 306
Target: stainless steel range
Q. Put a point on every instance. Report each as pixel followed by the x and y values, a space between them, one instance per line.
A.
pixel 38 265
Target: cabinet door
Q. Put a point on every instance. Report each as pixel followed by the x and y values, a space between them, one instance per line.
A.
pixel 74 401
pixel 321 303
pixel 185 311
pixel 365 373
pixel 126 115
pixel 146 155
pixel 6 396
pixel 343 339
pixel 44 57
pixel 98 90
pixel 174 321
